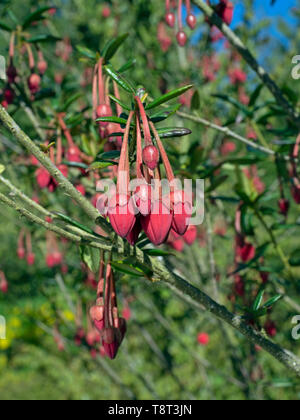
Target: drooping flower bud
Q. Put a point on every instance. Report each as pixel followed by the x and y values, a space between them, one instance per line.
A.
pixel 203 339
pixel 30 259
pixel 134 234
pixel 34 83
pixel 182 209
pixel 170 19
pixel 191 235
pixel 21 253
pixel 11 73
pixel 181 38
pixel 270 328
pixel 121 213
pixel 104 111
pixel 158 223
pixel 191 21
pixel 151 157
pixel 143 197
pixel 42 67
pixel 43 177
pixel 111 341
pixel 9 95
pixel 284 206
pixel 225 11
pixel 239 286
pixel 3 283
pixel 97 316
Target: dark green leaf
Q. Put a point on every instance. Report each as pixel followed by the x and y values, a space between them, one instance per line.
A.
pixel 272 301
pixel 195 103
pixel 168 96
pixel 163 115
pixel 86 52
pixel 100 165
pixel 124 106
pixel 246 221
pixel 70 101
pixel 235 103
pixel 216 182
pixel 74 223
pixel 119 79
pixel 5 27
pixel 170 132
pixel 113 154
pixel 43 38
pixel 35 16
pixel 255 95
pixel 127 66
pixel 116 120
pixel 157 253
pixel 127 269
pixel 295 258
pixel 112 47
pixel 258 300
pixel 79 165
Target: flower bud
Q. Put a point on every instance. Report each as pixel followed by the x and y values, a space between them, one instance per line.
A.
pixel 151 157
pixel 121 213
pixel 42 67
pixel 103 111
pixel 157 223
pixel 30 258
pixel 170 19
pixel 284 206
pixel 191 21
pixel 181 38
pixel 34 83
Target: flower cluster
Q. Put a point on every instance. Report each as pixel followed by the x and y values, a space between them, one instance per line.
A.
pixel 171 19
pixel 25 247
pixel 104 314
pixel 149 208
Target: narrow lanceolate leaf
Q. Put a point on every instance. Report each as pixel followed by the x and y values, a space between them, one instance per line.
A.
pixel 86 52
pixel 113 154
pixel 157 253
pixel 37 15
pixel 74 223
pixel 127 66
pixel 272 301
pixel 235 103
pixel 5 27
pixel 169 132
pixel 255 95
pixel 124 106
pixel 167 113
pixel 43 38
pixel 112 47
pixel 258 300
pixel 79 165
pixel 127 269
pixel 168 96
pixel 116 120
pixel 70 101
pixel 195 103
pixel 119 79
pixel 100 165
